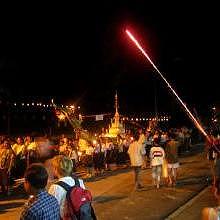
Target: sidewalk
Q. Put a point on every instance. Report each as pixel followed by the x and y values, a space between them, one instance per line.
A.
pixel 193 208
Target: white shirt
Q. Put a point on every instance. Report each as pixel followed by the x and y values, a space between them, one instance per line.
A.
pixel 60 193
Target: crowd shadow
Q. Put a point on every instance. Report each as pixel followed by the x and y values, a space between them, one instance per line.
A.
pixel 4 207
pixel 17 192
pixel 194 180
pixel 107 174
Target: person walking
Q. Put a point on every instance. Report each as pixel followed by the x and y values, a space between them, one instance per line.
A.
pixel 157 156
pixel 136 153
pixel 142 141
pixel 172 159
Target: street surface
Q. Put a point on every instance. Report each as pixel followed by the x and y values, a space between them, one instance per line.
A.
pixel 115 198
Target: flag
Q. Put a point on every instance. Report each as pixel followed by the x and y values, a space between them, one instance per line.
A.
pixel 99 117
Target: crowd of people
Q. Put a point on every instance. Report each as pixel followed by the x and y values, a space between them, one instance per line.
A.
pixel 140 149
pixel 16 155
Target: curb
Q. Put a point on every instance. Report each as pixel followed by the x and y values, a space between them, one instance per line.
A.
pixel 179 210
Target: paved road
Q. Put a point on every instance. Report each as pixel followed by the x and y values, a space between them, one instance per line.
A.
pixel 192 209
pixel 114 197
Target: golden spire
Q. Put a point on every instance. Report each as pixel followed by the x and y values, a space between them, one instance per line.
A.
pixel 117 117
pixel 116 127
pixel 116 102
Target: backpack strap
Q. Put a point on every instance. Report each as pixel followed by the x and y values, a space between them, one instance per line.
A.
pixel 67 188
pixel 64 185
pixel 77 183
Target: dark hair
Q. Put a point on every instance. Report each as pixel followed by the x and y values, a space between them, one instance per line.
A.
pixel 136 136
pixel 156 140
pixel 36 174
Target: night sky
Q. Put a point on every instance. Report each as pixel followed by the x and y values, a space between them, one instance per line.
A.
pixel 80 54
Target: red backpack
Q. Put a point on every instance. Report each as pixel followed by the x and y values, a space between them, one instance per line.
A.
pixel 79 202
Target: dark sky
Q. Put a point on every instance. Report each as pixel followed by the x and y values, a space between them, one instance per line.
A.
pixel 79 53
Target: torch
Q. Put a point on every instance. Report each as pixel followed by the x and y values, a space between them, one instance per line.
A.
pixel 191 116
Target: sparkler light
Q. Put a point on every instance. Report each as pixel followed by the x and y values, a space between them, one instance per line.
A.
pixel 197 124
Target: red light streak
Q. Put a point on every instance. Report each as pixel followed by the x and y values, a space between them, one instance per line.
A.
pixel 168 84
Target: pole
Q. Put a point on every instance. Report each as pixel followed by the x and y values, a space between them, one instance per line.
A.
pixel 155 102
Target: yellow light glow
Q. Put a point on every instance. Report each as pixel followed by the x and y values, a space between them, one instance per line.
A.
pixel 61 117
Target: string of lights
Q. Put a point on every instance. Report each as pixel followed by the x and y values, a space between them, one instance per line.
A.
pixel 160 118
pixel 38 104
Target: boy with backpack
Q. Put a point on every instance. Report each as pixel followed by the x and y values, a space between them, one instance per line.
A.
pixel 73 198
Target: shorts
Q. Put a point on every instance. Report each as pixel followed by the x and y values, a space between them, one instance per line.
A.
pixel 156 171
pixel 173 165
